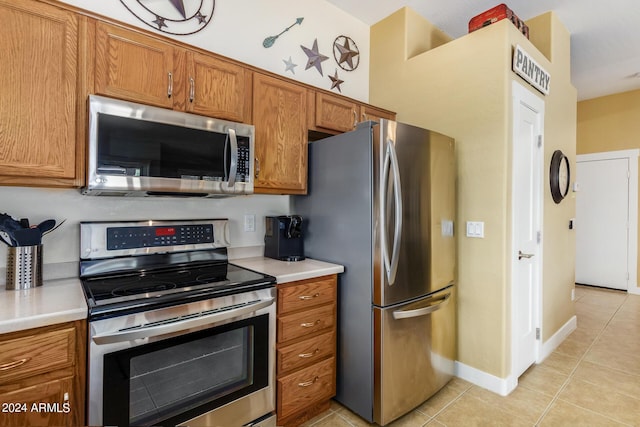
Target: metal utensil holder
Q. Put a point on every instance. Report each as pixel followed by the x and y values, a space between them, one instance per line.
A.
pixel 24 267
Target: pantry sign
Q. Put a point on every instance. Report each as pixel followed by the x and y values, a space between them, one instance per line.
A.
pixel 528 69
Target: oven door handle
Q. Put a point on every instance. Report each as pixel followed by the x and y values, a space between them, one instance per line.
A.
pixel 178 325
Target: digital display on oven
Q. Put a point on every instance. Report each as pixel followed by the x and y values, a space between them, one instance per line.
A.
pixel 119 238
pixel 165 231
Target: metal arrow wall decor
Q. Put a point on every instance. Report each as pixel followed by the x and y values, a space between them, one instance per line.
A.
pixel 269 41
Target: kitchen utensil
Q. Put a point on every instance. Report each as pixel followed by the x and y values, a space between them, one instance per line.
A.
pixel 46 225
pixel 6 239
pixel 24 267
pixel 54 228
pixel 24 222
pixel 27 236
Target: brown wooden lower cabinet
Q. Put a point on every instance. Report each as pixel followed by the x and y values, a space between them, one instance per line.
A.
pixel 42 376
pixel 306 349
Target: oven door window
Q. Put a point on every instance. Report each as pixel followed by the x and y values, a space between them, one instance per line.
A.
pixel 174 380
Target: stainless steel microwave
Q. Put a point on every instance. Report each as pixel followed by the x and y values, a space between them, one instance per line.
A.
pixel 139 150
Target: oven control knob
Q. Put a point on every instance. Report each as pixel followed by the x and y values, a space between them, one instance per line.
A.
pixel 101 180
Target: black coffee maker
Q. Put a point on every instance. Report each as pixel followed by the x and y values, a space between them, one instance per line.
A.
pixel 283 238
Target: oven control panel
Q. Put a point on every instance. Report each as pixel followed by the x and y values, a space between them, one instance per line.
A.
pixel 152 236
pixel 100 239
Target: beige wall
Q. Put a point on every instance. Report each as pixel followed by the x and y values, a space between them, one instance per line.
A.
pixel 463 89
pixel 609 123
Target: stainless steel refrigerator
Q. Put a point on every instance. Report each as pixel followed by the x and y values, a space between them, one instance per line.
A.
pixel 381 202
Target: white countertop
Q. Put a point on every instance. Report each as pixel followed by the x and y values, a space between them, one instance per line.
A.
pixel 286 271
pixel 56 301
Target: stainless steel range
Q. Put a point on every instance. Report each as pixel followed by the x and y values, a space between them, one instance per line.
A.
pixel 177 334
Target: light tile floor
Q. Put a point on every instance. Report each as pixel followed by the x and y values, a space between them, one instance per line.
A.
pixel 591 379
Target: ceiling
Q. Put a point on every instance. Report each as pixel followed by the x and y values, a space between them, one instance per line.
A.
pixel 605 38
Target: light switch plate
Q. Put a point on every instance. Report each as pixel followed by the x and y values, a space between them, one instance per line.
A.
pixel 249 222
pixel 475 229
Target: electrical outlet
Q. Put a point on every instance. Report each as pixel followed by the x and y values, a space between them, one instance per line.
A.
pixel 475 229
pixel 250 223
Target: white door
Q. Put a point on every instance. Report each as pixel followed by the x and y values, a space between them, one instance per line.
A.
pixel 527 167
pixel 602 221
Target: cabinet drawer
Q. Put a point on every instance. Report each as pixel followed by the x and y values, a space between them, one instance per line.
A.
pixel 309 293
pixel 303 353
pixel 300 324
pixel 35 354
pixel 306 387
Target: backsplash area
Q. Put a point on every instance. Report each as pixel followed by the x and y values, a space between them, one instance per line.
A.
pixel 62 245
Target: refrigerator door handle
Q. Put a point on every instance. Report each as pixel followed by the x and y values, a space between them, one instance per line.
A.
pixel 429 307
pixel 391 164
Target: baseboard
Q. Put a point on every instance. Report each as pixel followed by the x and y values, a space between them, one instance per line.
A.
pixel 501 386
pixel 556 339
pixel 634 290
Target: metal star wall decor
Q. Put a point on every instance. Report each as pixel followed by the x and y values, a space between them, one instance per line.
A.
pixel 315 57
pixel 289 65
pixel 346 53
pixel 336 82
pixel 177 17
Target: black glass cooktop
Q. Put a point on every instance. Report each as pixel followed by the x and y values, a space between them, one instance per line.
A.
pixel 169 286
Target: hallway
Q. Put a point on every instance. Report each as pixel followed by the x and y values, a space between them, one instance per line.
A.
pixel 591 379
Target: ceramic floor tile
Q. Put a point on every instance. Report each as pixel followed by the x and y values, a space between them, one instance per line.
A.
pixel 354 419
pixel 603 400
pixel 469 411
pixel 615 379
pixel 561 362
pixel 543 379
pixel 573 347
pixel 522 402
pixel 564 414
pixel 412 419
pixel 604 299
pixel 458 384
pixel 619 340
pixel 330 420
pixel 612 358
pixel 441 399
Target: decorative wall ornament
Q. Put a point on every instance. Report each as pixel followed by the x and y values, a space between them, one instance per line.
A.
pixel 336 82
pixel 172 16
pixel 346 53
pixel 269 41
pixel 315 57
pixel 289 65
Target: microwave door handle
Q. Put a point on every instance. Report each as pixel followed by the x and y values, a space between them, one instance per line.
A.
pixel 234 158
pixel 178 324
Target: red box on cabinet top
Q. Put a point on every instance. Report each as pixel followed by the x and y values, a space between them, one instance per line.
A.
pixel 496 14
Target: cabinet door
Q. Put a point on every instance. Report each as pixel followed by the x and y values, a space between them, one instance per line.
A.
pixel 39 70
pixel 336 113
pixel 50 403
pixel 279 110
pixel 133 67
pixel 217 88
pixel 368 112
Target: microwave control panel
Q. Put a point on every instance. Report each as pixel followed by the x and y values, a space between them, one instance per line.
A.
pixel 244 157
pixel 119 238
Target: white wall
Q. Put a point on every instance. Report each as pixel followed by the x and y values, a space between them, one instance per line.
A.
pixel 62 245
pixel 238 28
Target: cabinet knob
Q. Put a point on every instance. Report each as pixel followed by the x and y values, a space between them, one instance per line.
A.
pixel 170 87
pixel 308 383
pixel 355 118
pixel 14 364
pixel 307 355
pixel 308 297
pixel 192 89
pixel 310 324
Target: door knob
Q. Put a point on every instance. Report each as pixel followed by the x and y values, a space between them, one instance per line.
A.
pixel 523 255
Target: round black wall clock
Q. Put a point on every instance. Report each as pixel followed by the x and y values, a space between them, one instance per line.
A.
pixel 559 176
pixel 177 17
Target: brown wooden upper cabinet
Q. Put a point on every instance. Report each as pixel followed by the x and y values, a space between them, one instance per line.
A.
pixel 140 68
pixel 279 116
pixel 38 105
pixel 338 114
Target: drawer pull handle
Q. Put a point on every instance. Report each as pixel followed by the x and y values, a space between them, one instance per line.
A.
pixel 308 383
pixel 308 297
pixel 310 324
pixel 14 364
pixel 307 355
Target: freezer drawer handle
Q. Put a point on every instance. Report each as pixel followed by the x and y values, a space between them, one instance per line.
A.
pixel 307 355
pixel 308 383
pixel 178 324
pixel 310 324
pixel 423 311
pixel 308 297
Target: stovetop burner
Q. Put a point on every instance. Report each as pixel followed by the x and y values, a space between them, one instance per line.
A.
pixel 136 288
